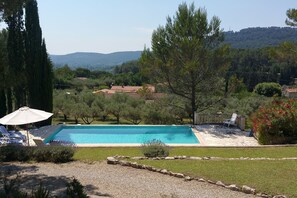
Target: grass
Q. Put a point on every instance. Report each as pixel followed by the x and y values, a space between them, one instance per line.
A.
pixel 273 177
pixel 98 154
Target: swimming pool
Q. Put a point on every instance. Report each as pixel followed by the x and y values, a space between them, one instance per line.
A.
pixel 121 134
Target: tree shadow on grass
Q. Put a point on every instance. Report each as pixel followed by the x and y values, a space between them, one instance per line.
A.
pixel 29 179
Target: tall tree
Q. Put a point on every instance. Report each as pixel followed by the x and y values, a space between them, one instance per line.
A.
pixel 46 80
pixel 187 56
pixel 8 7
pixel 3 72
pixel 292 17
pixel 33 42
pixel 38 65
pixel 15 49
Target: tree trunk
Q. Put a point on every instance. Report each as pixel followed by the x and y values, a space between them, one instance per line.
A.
pixel 3 107
pixel 9 100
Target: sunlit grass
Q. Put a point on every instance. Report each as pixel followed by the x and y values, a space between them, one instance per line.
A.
pixel 272 177
pixel 97 154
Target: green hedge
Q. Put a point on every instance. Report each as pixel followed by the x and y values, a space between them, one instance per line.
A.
pixel 56 154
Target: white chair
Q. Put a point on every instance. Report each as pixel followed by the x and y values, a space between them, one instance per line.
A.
pixel 231 121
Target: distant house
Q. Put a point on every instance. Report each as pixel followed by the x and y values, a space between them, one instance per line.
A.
pixel 125 89
pixel 131 91
pixel 290 92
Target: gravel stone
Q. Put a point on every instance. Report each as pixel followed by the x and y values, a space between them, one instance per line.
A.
pixel 101 179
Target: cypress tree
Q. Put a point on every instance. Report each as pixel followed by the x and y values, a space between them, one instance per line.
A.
pixel 33 41
pixel 3 107
pixel 38 65
pixel 47 82
pixel 3 72
pixel 15 50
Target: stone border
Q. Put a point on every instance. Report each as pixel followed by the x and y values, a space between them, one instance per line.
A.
pixel 204 158
pixel 117 160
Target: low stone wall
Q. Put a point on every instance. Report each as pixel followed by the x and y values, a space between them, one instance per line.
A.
pixel 119 160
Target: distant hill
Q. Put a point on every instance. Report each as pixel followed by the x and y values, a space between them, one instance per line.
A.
pixel 245 38
pixel 94 60
pixel 260 37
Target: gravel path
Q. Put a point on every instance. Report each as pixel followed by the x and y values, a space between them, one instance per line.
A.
pixel 102 180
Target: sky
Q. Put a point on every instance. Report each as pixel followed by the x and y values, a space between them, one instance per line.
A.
pixel 107 26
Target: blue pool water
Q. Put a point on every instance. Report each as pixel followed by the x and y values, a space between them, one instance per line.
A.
pixel 124 134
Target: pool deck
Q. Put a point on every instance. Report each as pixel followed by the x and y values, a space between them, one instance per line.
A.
pixel 208 136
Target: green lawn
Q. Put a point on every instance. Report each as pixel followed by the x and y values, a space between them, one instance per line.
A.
pixel 95 154
pixel 273 177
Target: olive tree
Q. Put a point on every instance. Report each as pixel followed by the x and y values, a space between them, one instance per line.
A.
pixel 117 105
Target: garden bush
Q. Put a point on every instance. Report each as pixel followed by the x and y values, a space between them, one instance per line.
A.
pixel 75 189
pixel 56 154
pixel 268 89
pixel 155 148
pixel 276 123
pixel 15 153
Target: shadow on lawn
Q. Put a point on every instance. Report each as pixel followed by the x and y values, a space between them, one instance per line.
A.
pixel 29 179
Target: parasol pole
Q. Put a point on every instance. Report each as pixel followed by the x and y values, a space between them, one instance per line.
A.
pixel 26 126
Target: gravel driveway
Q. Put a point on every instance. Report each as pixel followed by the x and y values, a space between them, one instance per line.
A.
pixel 102 180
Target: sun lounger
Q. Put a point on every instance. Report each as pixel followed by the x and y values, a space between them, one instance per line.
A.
pixel 39 142
pixel 12 134
pixel 231 121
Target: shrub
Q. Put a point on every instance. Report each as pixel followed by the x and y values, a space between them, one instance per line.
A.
pixel 41 192
pixel 268 89
pixel 155 148
pixel 42 154
pixel 75 189
pixel 62 154
pixel 15 153
pixel 276 123
pixel 57 154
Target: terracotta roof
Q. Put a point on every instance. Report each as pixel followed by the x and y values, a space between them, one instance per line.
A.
pixel 130 89
pixel 124 89
pixel 291 90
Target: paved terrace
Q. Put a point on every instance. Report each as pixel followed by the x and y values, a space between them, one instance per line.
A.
pixel 219 135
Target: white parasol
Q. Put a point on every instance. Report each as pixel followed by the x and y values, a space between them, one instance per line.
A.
pixel 25 115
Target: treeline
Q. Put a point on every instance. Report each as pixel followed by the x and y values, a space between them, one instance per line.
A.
pixel 252 38
pixel 26 71
pixel 254 66
pixel 126 74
